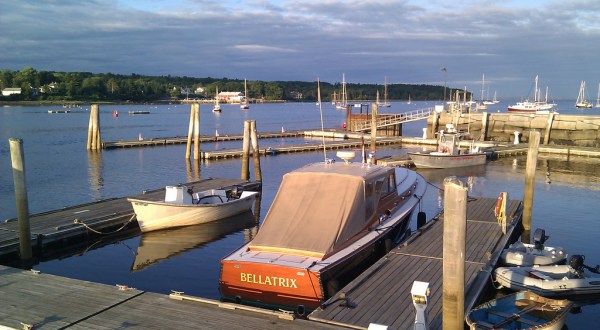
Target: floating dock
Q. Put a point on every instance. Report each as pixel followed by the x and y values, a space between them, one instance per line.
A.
pixel 33 300
pixel 70 225
pixel 381 294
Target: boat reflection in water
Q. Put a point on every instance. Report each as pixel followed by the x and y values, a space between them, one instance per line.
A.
pixel 160 245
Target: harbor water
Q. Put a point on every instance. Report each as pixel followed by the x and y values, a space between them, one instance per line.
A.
pixel 61 172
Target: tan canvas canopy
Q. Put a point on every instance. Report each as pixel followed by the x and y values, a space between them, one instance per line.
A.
pixel 318 208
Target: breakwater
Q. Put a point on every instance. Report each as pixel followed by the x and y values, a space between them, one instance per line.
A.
pixel 555 128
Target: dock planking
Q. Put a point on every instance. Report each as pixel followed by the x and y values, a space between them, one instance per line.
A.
pixel 151 142
pixel 44 301
pixel 51 228
pixel 381 294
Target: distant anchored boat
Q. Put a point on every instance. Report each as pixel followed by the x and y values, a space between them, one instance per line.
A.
pixel 327 223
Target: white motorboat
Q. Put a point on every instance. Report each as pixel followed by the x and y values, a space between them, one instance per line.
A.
pixel 182 207
pixel 522 254
pixel 520 310
pixel 448 153
pixel 551 281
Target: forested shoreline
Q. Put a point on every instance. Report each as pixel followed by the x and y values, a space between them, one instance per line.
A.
pixel 52 87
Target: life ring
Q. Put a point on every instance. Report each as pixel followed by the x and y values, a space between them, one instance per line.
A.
pixel 444 149
pixel 499 202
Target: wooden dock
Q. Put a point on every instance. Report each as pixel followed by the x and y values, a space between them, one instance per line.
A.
pixel 381 295
pixel 152 142
pixel 33 300
pixel 67 225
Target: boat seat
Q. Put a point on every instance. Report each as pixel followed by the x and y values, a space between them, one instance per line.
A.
pixel 515 317
pixel 205 198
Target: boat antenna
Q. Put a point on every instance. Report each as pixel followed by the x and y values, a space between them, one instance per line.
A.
pixel 321 112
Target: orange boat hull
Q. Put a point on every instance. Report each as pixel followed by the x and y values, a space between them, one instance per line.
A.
pixel 270 285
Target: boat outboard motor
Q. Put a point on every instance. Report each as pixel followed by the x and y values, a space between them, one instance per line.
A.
pixel 539 238
pixel 236 192
pixel 576 264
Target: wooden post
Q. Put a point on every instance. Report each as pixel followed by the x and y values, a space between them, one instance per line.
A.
pixel 196 108
pixel 549 128
pixel 374 128
pixel 435 125
pixel 246 151
pixel 455 227
pixel 349 118
pixel 93 141
pixel 530 167
pixel 484 125
pixel 18 164
pixel 255 151
pixel 188 149
pixel 90 129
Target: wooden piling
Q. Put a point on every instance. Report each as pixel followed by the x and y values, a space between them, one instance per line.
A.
pixel 193 132
pixel 484 125
pixel 18 164
pixel 455 227
pixel 435 125
pixel 255 151
pixel 188 149
pixel 93 141
pixel 548 128
pixel 246 151
pixel 374 128
pixel 532 155
pixel 196 108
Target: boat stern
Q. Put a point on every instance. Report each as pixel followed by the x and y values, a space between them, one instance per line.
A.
pixel 270 284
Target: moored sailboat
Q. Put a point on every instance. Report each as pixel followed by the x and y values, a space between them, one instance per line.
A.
pixel 535 106
pixel 244 105
pixel 217 106
pixel 582 102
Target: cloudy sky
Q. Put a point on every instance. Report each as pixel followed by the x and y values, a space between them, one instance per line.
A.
pixel 407 41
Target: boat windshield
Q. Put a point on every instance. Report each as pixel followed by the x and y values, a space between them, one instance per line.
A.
pixel 315 213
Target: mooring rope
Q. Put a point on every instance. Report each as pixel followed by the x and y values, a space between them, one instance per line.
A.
pixel 77 221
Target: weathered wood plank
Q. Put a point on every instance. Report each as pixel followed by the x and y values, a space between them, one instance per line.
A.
pixel 384 297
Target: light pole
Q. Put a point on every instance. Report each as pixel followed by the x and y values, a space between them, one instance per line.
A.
pixel 445 71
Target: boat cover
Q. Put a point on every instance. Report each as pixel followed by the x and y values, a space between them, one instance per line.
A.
pixel 320 207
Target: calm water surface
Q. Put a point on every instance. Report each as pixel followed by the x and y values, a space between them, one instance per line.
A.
pixel 61 172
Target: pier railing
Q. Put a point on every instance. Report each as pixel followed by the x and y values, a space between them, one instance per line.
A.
pixel 390 120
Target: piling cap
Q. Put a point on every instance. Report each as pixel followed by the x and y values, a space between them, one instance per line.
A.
pixel 455 181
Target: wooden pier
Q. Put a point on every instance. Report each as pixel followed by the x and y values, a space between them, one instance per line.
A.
pixel 71 224
pixel 381 295
pixel 33 300
pixel 151 142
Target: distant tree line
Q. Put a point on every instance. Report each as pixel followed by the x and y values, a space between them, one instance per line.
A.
pixel 107 87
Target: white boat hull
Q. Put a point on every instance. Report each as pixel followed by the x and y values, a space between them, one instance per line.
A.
pixel 155 215
pixel 520 310
pixel 520 254
pixel 547 281
pixel 444 160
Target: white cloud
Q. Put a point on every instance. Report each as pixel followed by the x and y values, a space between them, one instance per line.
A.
pixel 405 40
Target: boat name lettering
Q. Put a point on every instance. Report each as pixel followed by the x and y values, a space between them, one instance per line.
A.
pixel 269 280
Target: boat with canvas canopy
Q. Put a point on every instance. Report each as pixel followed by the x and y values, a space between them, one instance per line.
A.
pixel 328 222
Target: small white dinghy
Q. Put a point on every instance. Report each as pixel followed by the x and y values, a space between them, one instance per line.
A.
pixel 551 281
pixel 522 254
pixel 182 207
